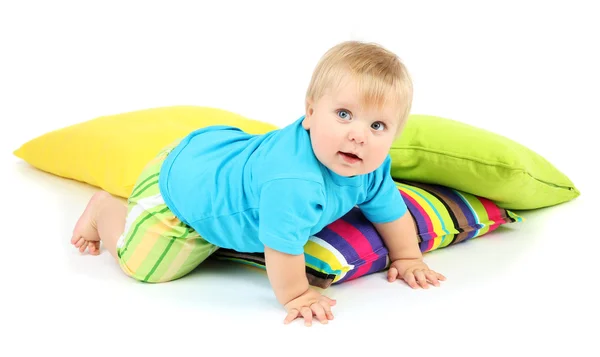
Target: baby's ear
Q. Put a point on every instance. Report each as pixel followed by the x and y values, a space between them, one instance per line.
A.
pixel 306 123
pixel 308 116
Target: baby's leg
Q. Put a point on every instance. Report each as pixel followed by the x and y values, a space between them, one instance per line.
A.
pixel 103 220
pixel 156 246
pixel 148 241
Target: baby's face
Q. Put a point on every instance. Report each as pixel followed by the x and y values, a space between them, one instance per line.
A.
pixel 347 137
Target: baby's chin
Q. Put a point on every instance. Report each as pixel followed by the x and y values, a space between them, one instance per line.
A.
pixel 348 172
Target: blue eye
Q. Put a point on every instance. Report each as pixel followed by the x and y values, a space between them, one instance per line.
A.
pixel 378 126
pixel 344 114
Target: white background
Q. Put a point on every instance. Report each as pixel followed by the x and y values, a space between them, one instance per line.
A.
pixel 527 70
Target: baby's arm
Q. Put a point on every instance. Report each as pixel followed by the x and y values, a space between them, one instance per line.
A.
pixel 400 237
pixel 384 203
pixel 289 208
pixel 287 274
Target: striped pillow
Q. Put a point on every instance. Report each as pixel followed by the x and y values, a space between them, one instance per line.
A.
pixel 351 247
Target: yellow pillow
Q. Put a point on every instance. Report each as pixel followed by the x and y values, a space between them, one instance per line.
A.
pixel 110 151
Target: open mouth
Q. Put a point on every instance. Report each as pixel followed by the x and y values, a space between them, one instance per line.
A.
pixel 349 157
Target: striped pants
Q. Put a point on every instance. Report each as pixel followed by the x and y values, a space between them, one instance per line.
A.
pixel 155 245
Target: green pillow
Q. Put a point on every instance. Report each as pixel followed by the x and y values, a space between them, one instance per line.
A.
pixel 450 153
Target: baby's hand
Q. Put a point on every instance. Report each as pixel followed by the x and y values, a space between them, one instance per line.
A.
pixel 414 272
pixel 307 304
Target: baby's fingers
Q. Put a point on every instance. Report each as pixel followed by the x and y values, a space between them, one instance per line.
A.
pixel 420 275
pixel 409 278
pixel 319 311
pixel 432 277
pixel 291 316
pixel 307 314
pixel 329 301
pixel 327 309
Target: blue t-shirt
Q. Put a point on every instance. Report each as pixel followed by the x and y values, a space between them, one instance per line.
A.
pixel 244 191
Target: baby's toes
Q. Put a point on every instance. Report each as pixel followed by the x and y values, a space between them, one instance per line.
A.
pixel 83 247
pixel 78 242
pixel 94 248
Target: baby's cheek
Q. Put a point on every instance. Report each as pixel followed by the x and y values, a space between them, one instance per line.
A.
pixel 381 153
pixel 329 140
pixel 324 143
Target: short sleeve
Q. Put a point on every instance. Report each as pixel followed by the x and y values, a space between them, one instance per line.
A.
pixel 289 209
pixel 384 203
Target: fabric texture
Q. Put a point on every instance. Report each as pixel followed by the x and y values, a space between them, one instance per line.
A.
pixel 111 151
pixel 454 154
pixel 155 245
pixel 351 247
pixel 222 182
pixel 458 182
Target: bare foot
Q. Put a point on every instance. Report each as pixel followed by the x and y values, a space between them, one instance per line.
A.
pixel 85 234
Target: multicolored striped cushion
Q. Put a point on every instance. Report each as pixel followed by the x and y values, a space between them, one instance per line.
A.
pixel 351 247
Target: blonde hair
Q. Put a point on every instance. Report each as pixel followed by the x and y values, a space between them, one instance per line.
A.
pixel 380 74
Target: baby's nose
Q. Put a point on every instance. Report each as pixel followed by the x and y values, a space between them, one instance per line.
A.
pixel 358 135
